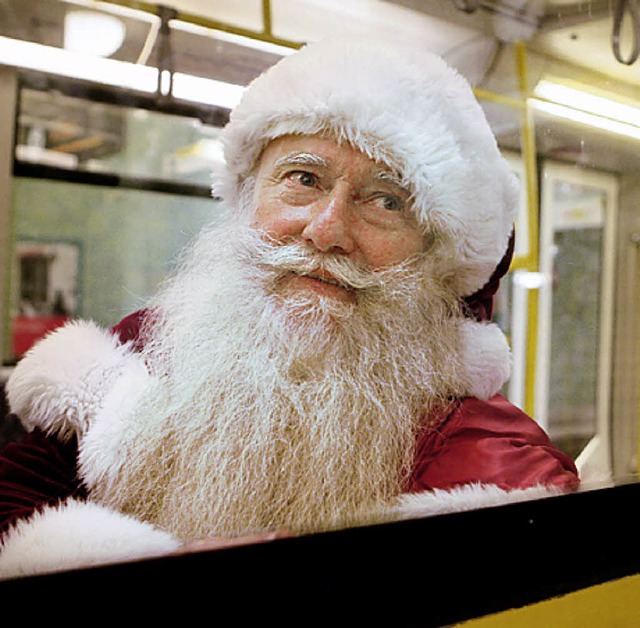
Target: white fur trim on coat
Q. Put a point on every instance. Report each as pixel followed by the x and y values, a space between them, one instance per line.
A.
pixel 72 374
pixel 464 498
pixel 78 534
pixel 400 106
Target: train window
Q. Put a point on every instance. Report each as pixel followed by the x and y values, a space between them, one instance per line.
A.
pixel 578 216
pixel 68 137
pixel 106 191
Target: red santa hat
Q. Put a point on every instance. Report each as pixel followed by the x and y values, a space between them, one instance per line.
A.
pixel 410 110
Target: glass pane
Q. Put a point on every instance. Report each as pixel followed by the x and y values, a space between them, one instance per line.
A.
pixel 125 242
pixel 575 328
pixel 76 134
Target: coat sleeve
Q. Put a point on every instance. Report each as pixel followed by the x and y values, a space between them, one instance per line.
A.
pixel 47 521
pixel 35 472
pixel 41 469
pixel 48 525
pixel 490 442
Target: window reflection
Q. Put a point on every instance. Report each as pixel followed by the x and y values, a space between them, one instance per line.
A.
pixel 77 134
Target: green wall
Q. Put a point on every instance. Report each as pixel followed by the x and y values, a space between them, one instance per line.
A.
pixel 128 239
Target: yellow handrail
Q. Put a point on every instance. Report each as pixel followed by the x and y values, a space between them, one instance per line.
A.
pixel 264 35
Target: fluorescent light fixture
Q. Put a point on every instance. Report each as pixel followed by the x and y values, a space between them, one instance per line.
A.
pixel 590 103
pixel 607 124
pixel 206 91
pixel 31 56
pixel 240 40
pixel 25 54
pixel 93 33
pixel 583 107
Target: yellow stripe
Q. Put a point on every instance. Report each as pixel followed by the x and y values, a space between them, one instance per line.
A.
pixel 614 604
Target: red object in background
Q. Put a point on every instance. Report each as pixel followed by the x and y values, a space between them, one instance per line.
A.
pixel 27 330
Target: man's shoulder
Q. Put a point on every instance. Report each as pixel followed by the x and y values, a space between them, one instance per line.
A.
pixel 496 419
pixel 472 417
pixel 490 441
pixel 496 413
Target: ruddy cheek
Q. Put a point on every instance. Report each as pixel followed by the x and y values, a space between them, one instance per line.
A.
pixel 269 217
pixel 396 250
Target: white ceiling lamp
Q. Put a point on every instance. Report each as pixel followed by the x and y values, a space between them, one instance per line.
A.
pixel 93 33
pixel 137 77
pixel 41 58
pixel 565 101
pixel 206 91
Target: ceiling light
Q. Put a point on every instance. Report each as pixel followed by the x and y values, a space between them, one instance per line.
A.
pixel 93 33
pixel 31 56
pixel 587 108
pixel 137 77
pixel 585 101
pixel 206 91
pixel 582 117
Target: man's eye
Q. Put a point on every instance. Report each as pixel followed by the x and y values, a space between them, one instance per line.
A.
pixel 304 178
pixel 390 202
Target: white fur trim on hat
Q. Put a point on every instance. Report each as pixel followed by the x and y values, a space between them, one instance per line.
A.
pixel 486 357
pixel 72 374
pixel 399 106
pixel 78 534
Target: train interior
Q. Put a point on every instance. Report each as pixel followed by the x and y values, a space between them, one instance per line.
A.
pixel 109 124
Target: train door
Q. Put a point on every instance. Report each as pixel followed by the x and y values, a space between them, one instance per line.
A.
pixel 573 364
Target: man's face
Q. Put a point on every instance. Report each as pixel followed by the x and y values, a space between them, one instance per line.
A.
pixel 338 201
pixel 323 373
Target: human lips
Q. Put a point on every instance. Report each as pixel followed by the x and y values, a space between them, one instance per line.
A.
pixel 323 283
pixel 324 276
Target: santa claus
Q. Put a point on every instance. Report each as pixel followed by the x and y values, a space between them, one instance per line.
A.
pixel 322 358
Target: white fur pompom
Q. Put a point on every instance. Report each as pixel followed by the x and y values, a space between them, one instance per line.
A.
pixel 486 356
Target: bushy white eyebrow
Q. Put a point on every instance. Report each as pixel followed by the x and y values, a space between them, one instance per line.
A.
pixel 389 176
pixel 302 159
pixel 298 158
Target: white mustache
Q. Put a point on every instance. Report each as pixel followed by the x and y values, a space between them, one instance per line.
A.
pixel 279 259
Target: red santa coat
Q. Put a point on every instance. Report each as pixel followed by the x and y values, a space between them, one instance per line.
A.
pixel 478 444
pixel 490 442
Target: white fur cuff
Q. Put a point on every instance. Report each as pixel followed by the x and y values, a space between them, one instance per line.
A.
pixel 64 380
pixel 78 534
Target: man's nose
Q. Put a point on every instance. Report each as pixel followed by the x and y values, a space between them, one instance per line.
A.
pixel 329 225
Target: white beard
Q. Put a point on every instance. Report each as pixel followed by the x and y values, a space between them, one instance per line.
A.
pixel 280 412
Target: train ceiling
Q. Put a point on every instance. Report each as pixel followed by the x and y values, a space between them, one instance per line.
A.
pixel 467 32
pixel 576 31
